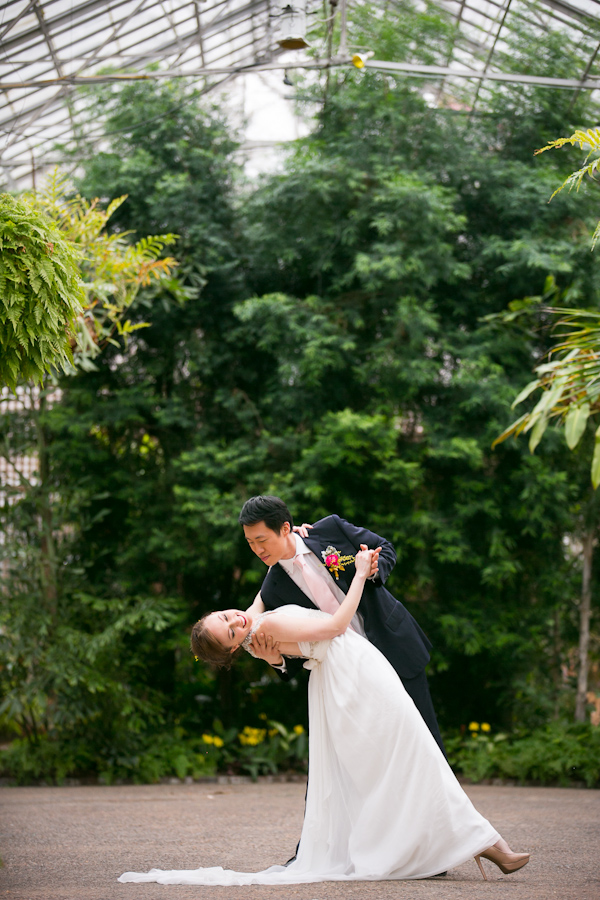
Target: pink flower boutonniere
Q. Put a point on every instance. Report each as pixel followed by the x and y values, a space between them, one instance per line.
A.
pixel 335 562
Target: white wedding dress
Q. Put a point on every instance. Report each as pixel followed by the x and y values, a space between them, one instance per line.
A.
pixel 382 802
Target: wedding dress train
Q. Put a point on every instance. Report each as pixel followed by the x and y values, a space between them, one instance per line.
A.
pixel 382 802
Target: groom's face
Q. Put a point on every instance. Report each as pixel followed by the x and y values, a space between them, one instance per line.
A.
pixel 269 546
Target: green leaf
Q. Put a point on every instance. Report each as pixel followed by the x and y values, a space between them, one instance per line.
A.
pixel 550 397
pixel 596 460
pixel 537 433
pixel 529 389
pixel 575 423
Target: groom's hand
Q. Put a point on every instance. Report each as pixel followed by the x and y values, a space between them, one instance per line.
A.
pixel 265 648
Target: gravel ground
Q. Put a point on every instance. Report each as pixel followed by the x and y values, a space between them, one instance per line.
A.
pixel 71 843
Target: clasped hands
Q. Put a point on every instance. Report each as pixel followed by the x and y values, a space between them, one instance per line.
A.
pixel 303 530
pixel 365 562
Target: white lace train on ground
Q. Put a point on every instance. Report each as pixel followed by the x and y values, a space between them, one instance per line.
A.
pixel 382 802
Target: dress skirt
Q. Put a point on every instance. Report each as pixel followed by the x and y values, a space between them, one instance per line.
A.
pixel 382 802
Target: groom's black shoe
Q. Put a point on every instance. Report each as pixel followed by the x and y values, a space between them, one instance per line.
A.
pixel 439 874
pixel 293 858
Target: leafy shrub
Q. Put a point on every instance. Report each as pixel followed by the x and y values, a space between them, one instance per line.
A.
pixel 261 751
pixel 148 758
pixel 45 760
pixel 41 292
pixel 558 753
pixel 169 755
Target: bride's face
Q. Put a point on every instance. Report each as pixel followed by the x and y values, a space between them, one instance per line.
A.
pixel 229 627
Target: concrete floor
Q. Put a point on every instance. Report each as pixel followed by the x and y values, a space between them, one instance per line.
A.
pixel 71 843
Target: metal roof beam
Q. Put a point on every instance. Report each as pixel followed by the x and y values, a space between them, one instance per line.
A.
pixel 409 69
pixel 591 62
pixel 420 71
pixel 216 25
pixel 47 36
pixel 491 53
pixel 112 36
pixel 199 30
pixel 11 24
pixel 29 115
pixel 569 10
pixel 67 19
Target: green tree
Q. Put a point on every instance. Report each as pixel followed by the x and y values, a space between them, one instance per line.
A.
pixel 348 369
pixel 568 380
pixel 59 644
pixel 336 351
pixel 328 231
pixel 176 381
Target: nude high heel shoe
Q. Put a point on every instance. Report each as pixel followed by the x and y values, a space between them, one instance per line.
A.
pixel 506 862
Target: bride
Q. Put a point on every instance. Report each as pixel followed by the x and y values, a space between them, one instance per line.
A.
pixel 382 802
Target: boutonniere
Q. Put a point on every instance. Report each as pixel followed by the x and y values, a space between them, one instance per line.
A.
pixel 334 560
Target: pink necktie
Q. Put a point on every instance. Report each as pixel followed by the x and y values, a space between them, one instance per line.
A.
pixel 323 597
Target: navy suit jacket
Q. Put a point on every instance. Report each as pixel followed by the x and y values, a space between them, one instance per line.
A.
pixel 388 624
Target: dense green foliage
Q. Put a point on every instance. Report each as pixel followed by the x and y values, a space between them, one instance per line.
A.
pixel 568 383
pixel 557 753
pixel 40 292
pixel 251 751
pixel 568 378
pixel 337 349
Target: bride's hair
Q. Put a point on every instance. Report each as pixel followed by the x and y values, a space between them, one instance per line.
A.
pixel 205 646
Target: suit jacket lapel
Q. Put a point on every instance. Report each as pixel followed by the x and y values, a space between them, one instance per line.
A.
pixel 317 544
pixel 286 589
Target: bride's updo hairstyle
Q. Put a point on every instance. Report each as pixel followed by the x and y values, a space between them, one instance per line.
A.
pixel 205 646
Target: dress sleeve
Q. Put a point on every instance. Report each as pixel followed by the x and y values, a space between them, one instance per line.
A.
pixel 314 651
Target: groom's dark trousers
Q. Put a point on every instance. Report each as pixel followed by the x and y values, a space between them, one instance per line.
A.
pixel 388 624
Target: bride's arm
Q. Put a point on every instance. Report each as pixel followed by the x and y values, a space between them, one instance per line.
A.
pixel 288 629
pixel 257 607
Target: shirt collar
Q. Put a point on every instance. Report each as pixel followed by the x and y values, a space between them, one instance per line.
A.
pixel 288 564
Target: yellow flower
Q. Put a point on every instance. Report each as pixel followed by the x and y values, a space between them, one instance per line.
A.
pixel 252 736
pixel 473 726
pixel 262 716
pixel 273 732
pixel 217 741
pixel 485 726
pixel 208 739
pixel 298 729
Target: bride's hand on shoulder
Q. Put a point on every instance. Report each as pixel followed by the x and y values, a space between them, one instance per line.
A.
pixel 362 561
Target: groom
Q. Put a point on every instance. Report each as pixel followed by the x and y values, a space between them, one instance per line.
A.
pixel 317 572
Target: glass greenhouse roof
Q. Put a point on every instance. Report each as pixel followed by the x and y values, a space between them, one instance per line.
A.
pixel 49 47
